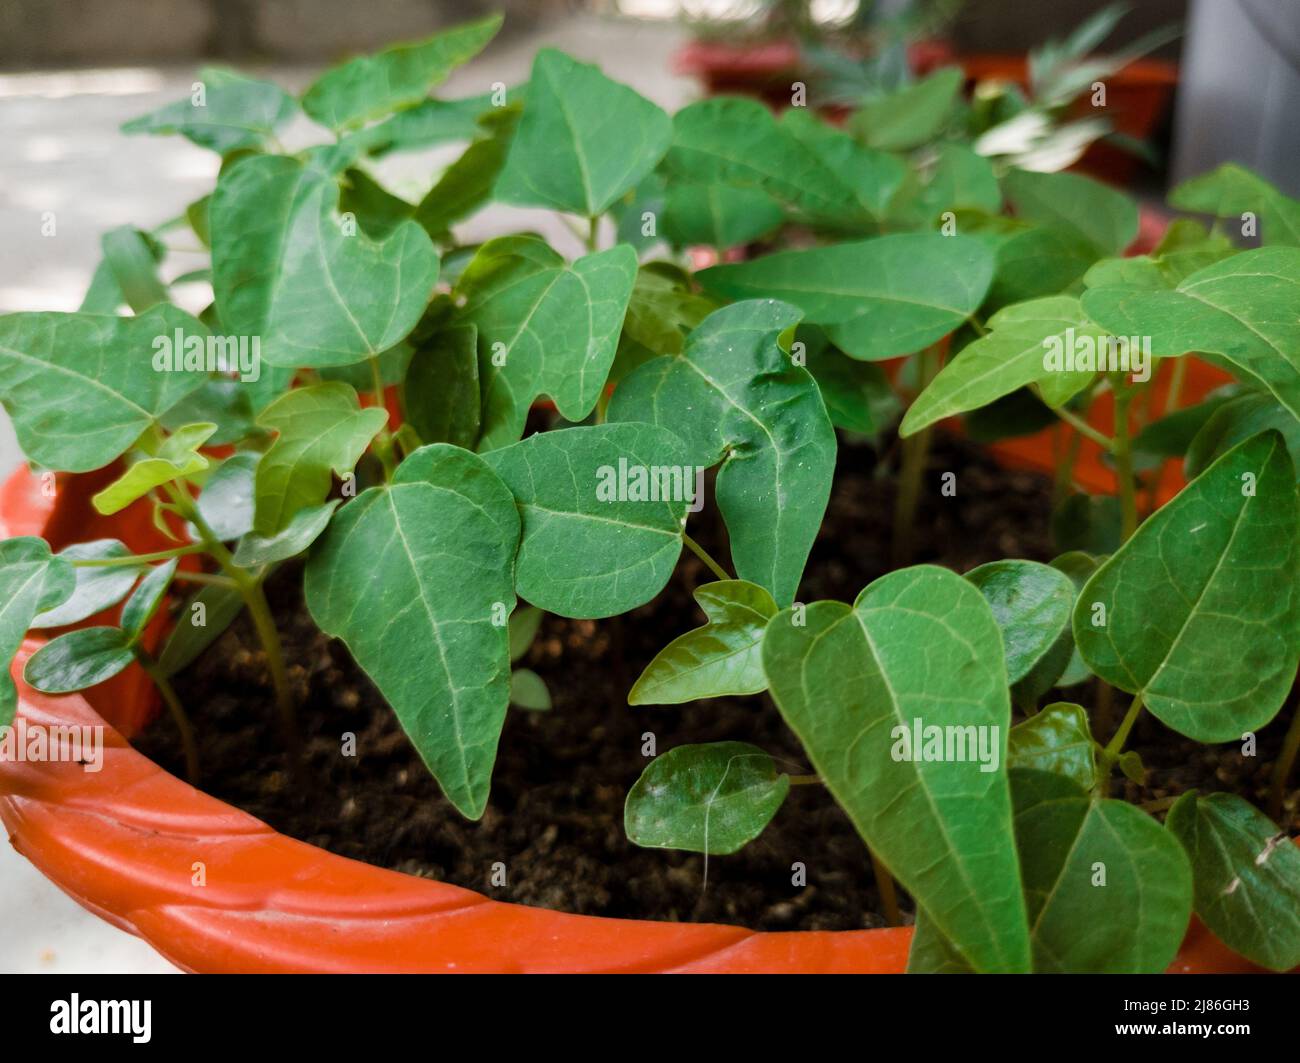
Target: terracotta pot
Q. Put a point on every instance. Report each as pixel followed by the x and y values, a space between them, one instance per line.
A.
pixel 126 842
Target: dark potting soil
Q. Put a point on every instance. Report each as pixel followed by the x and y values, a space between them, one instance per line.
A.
pixel 555 818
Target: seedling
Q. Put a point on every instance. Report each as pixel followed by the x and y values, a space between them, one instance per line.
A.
pixel 258 435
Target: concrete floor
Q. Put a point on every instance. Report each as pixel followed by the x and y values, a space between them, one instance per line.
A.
pixel 63 154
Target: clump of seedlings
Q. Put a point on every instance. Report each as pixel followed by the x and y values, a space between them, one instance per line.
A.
pixel 357 393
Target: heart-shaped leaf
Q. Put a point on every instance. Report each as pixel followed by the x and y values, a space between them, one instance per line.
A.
pixel 417 578
pixel 1241 310
pixel 545 327
pixel 371 86
pixel 81 388
pixel 78 659
pixel 32 581
pixel 876 298
pixel 466 185
pixel 1031 604
pixel 288 269
pixel 583 141
pixel 1246 876
pixel 714 798
pixel 233 113
pixel 1026 344
pixel 322 430
pixel 1199 612
pixel 602 511
pixel 734 396
pixel 1057 740
pixel 722 657
pixel 860 686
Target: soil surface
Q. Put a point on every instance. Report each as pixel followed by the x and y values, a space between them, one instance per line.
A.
pixel 555 819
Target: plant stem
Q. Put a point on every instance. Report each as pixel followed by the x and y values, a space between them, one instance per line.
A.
pixel 1116 745
pixel 1085 429
pixel 1282 769
pixel 593 233
pixel 137 559
pixel 1065 468
pixel 703 555
pixel 805 780
pixel 916 452
pixel 205 578
pixel 177 713
pixel 1176 385
pixel 383 444
pixel 1123 451
pixel 888 895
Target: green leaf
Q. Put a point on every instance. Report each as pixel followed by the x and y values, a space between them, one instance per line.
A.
pixel 1088 523
pixel 867 179
pixel 81 388
pixel 662 308
pixel 177 458
pixel 134 267
pixel 1234 190
pixel 32 581
pixel 78 659
pixel 911 116
pixel 1236 420
pixel 877 298
pixel 918 644
pixel 1201 606
pixel 1104 216
pixel 723 657
pixel 1079 566
pixel 237 113
pixel 1031 604
pixel 441 398
pixel 713 798
pixel 734 396
pixel 602 510
pixel 1018 350
pixel 378 210
pixel 413 575
pixel 932 953
pixel 372 86
pixel 428 124
pixel 1171 436
pixel 858 395
pixel 303 529
pixel 545 327
pixel 1241 309
pixel 1185 248
pixel 1133 919
pixel 523 629
pixel 221 401
pixel 1057 740
pixel 583 141
pixel 958 180
pixel 322 430
pixel 146 598
pixel 226 502
pixel 718 215
pixel 1246 876
pixel 197 629
pixel 1034 261
pixel 97 586
pixel 466 185
pixel 288 269
pixel 528 691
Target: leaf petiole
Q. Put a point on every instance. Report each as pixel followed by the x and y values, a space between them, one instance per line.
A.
pixel 703 555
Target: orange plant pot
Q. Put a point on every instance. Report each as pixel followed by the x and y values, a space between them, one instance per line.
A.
pixel 130 843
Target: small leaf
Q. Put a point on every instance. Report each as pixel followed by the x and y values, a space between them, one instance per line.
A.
pixel 134 267
pixel 97 586
pixel 237 113
pixel 466 185
pixel 734 396
pixel 177 458
pixel 371 86
pixel 858 395
pixel 189 638
pixel 528 691
pixel 412 576
pixel 32 581
pixel 1246 876
pixel 583 141
pixel 876 298
pixel 226 502
pixel 145 600
pixel 1031 604
pixel 545 327
pixel 524 623
pixel 714 798
pixel 912 115
pixel 591 549
pixel 81 388
pixel 78 659
pixel 303 529
pixel 722 657
pixel 1057 740
pixel 855 684
pixel 322 430
pixel 1200 611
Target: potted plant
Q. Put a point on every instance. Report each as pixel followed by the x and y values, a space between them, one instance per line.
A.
pixel 339 600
